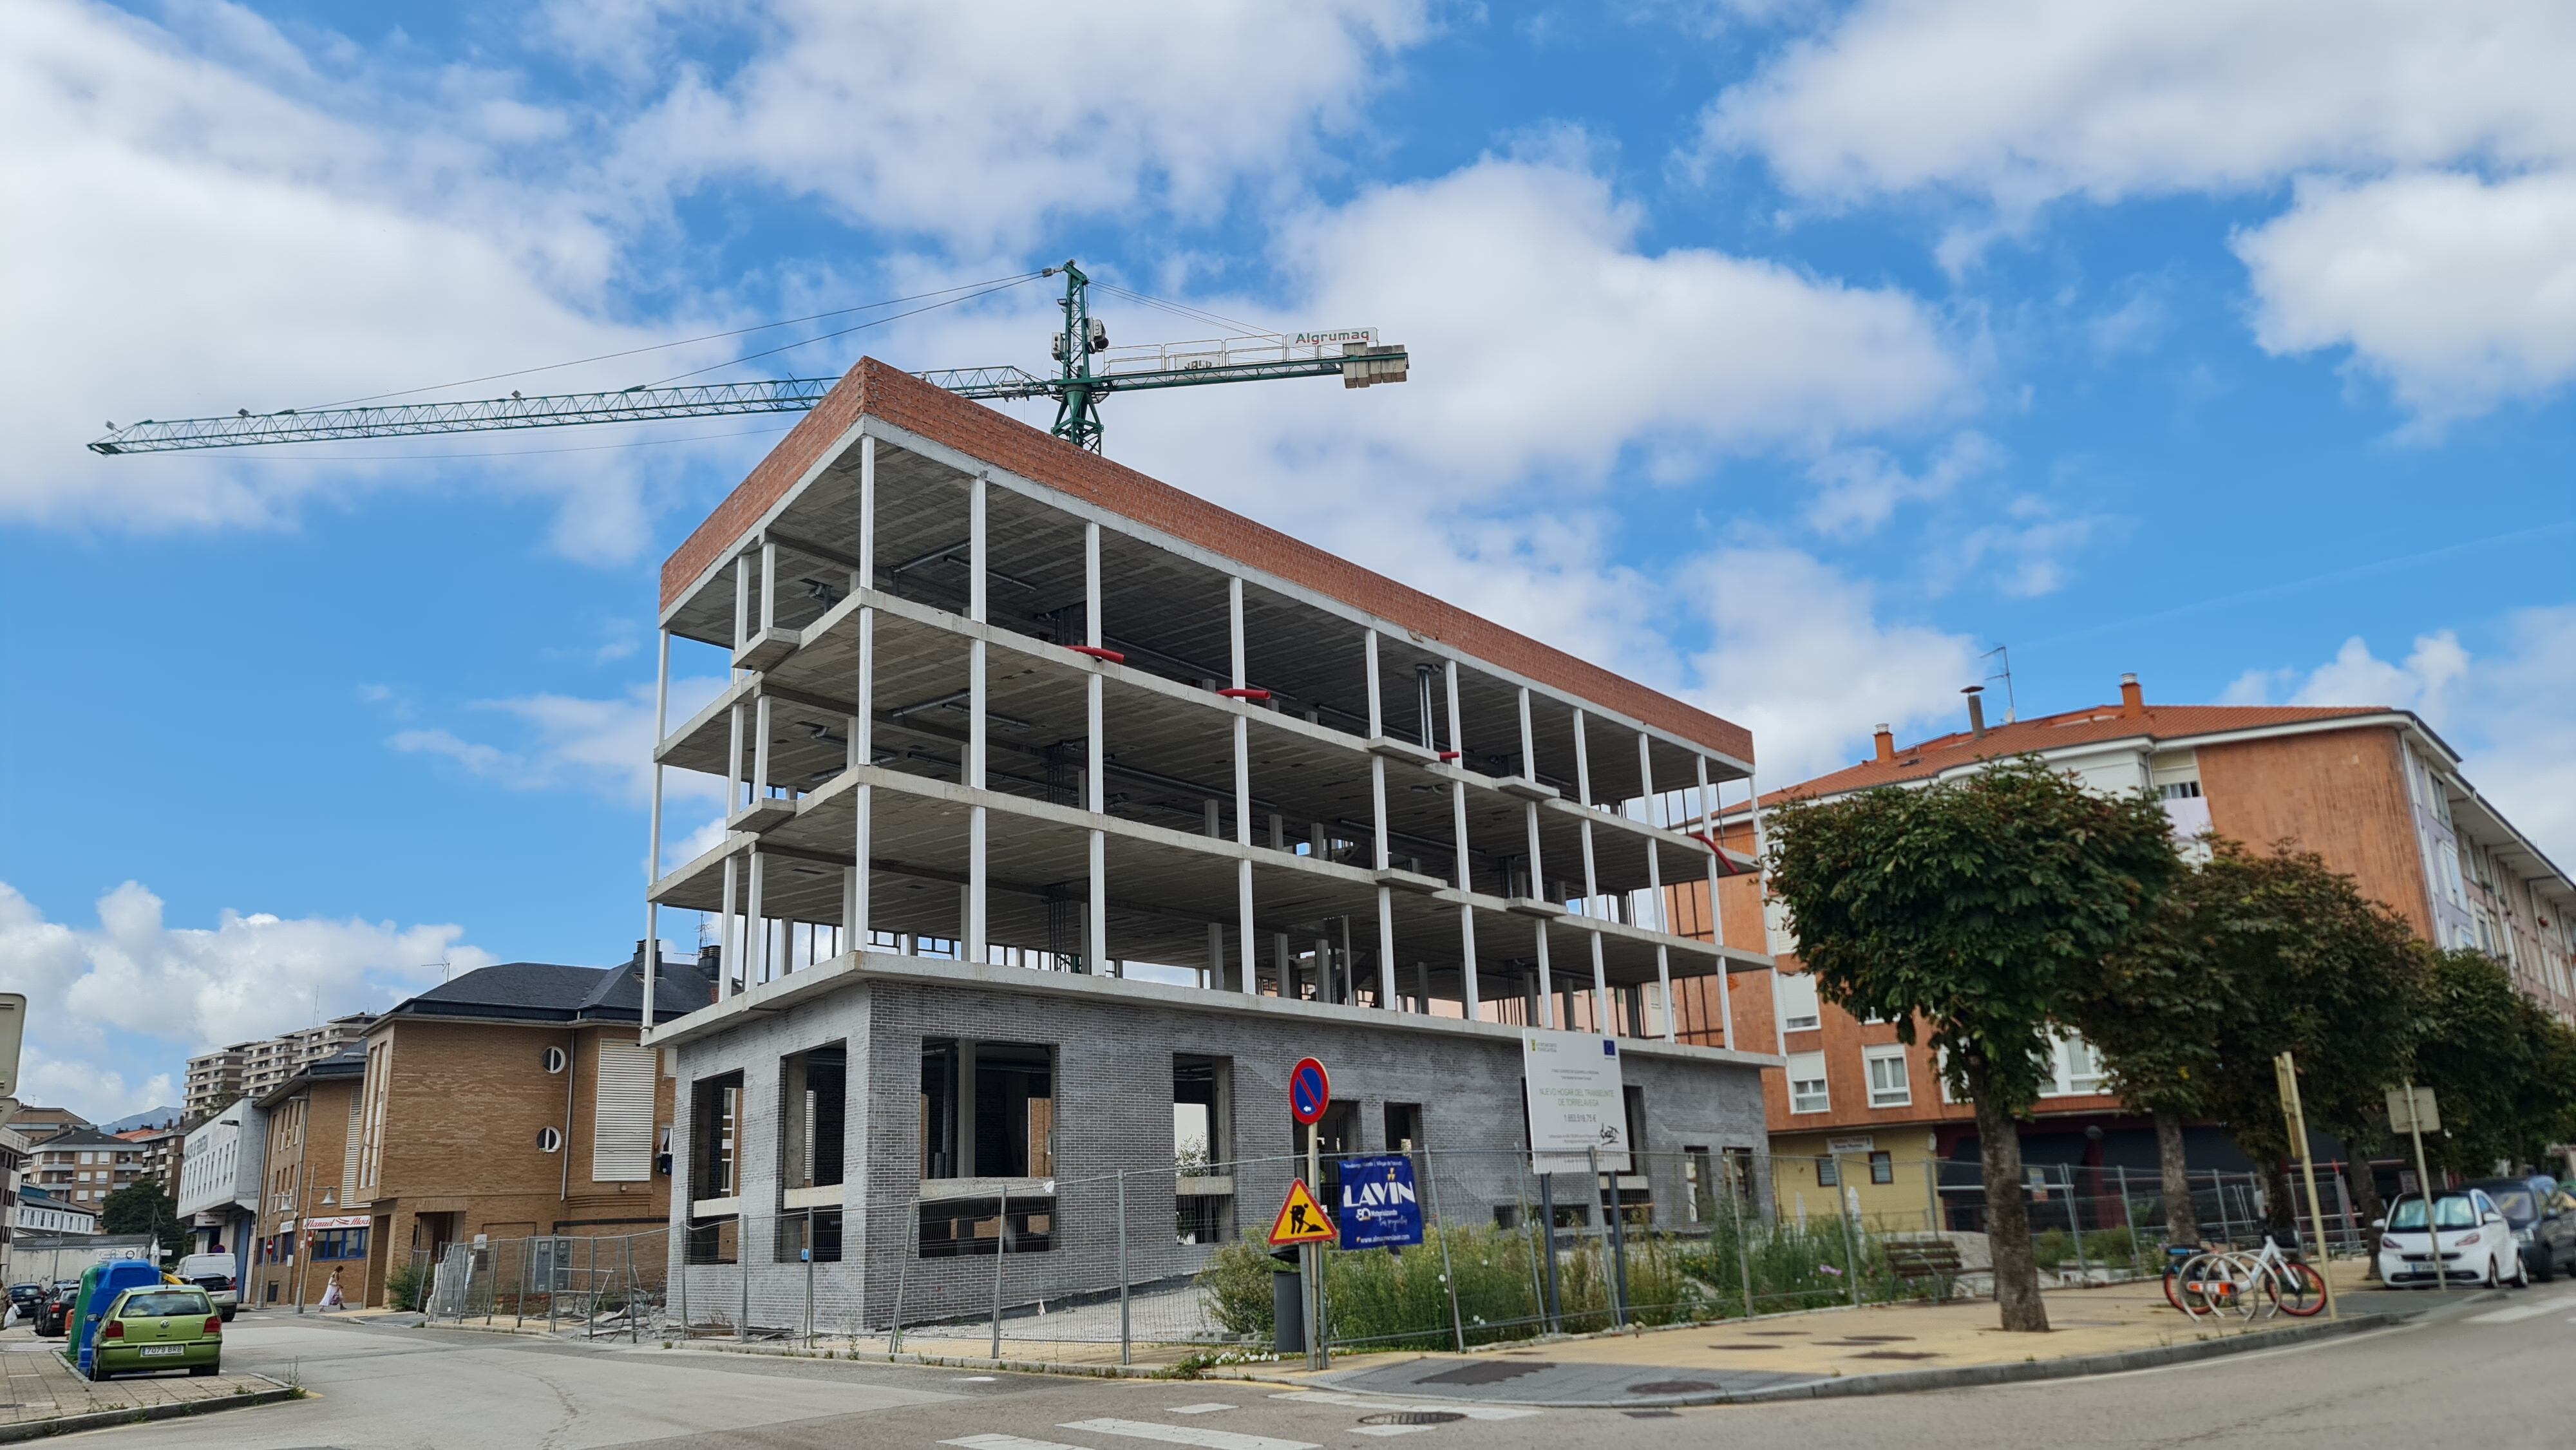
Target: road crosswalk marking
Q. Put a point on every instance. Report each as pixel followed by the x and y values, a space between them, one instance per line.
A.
pixel 2514 1315
pixel 1380 1402
pixel 1007 1442
pixel 1181 1435
pixel 1210 1408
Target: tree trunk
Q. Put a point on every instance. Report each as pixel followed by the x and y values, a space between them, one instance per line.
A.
pixel 2280 1215
pixel 2364 1187
pixel 2008 1217
pixel 2182 1217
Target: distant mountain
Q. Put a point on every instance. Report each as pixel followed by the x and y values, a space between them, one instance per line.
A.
pixel 152 1119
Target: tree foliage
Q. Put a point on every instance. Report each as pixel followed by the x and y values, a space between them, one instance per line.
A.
pixel 1974 905
pixel 2502 1068
pixel 142 1208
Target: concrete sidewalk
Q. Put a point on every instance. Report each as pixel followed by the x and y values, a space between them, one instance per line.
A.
pixel 46 1397
pixel 1836 1352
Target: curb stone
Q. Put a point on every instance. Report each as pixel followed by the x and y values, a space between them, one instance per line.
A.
pixel 103 1419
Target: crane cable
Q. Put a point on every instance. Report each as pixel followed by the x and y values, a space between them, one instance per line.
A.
pixel 983 290
pixel 975 289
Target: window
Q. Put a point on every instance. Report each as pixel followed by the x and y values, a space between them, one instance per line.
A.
pixel 339 1243
pixel 1796 998
pixel 987 1109
pixel 549 1140
pixel 554 1060
pixel 2078 1069
pixel 1202 1096
pixel 1829 1173
pixel 1807 1082
pixel 715 1106
pixel 1882 1168
pixel 959 1228
pixel 813 1112
pixel 1888 1085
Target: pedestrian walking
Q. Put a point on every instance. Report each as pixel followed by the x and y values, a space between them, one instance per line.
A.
pixel 331 1294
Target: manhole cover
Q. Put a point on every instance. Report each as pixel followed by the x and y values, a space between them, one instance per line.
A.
pixel 1485 1372
pixel 1413 1417
pixel 1671 1387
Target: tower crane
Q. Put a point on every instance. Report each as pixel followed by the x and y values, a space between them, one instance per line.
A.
pixel 1088 370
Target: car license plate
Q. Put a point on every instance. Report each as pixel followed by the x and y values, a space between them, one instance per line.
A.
pixel 152 1350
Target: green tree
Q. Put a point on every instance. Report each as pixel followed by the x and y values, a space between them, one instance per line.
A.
pixel 2155 1012
pixel 2319 971
pixel 2503 1068
pixel 1971 906
pixel 142 1208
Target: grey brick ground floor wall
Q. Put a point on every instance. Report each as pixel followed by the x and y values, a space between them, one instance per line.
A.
pixel 1113 1045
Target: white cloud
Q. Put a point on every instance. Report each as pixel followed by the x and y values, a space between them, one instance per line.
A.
pixel 190 235
pixel 1864 486
pixel 133 985
pixel 1799 654
pixel 601 745
pixel 2511 713
pixel 2459 291
pixel 980 123
pixel 2024 101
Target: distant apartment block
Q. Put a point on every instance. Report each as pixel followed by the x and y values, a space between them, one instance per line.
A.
pixel 39 1212
pixel 82 1166
pixel 2373 791
pixel 216 1079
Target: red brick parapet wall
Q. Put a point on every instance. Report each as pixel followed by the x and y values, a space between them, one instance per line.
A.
pixel 876 389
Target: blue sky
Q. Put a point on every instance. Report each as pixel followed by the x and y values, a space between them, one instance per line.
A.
pixel 1789 356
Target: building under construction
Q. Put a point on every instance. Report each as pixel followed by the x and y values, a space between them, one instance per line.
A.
pixel 1066 811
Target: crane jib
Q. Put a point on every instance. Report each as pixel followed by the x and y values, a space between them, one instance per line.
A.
pixel 1357 366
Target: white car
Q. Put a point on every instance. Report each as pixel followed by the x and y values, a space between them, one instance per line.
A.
pixel 2477 1244
pixel 218 1275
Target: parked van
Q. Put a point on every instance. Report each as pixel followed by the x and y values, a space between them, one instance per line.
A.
pixel 219 1275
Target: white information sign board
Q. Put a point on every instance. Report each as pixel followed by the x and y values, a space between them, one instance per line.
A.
pixel 1570 1082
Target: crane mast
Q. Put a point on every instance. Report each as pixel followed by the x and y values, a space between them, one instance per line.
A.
pixel 1088 370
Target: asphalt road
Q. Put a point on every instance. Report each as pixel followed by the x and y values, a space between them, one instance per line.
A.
pixel 2495 1374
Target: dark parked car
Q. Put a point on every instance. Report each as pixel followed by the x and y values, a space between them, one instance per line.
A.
pixel 24 1296
pixel 56 1307
pixel 2542 1215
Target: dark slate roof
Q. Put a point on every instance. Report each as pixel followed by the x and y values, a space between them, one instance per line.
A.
pixel 547 992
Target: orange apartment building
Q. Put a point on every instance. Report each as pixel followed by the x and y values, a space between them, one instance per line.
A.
pixel 513 1101
pixel 2370 789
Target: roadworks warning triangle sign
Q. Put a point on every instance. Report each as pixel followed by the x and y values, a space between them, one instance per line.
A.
pixel 1301 1219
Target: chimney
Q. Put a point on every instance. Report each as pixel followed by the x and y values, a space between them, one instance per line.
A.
pixel 1886 739
pixel 1976 710
pixel 2133 700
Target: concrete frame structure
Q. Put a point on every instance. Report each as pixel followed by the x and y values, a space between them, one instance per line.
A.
pixel 1022 745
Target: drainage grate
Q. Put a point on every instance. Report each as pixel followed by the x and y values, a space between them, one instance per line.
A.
pixel 1652 1414
pixel 1413 1417
pixel 1896 1354
pixel 1672 1387
pixel 1484 1372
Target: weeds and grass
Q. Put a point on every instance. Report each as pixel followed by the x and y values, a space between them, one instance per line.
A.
pixel 406 1285
pixel 1400 1298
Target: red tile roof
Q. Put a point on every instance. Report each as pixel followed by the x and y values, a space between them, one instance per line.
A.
pixel 2052 732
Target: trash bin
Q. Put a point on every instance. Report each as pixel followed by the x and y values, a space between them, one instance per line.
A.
pixel 1287 1304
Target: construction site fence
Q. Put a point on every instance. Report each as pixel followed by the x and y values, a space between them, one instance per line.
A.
pixel 1161 1266
pixel 592 1285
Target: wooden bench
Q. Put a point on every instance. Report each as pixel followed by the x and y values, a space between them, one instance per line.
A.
pixel 1916 1259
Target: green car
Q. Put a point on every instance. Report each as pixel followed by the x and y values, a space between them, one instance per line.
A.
pixel 160 1326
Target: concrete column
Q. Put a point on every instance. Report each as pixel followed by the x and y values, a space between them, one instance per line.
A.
pixel 728 951
pixel 1216 955
pixel 1472 991
pixel 756 968
pixel 1655 881
pixel 1716 918
pixel 975 945
pixel 1377 831
pixel 1096 922
pixel 733 758
pixel 1242 782
pixel 741 600
pixel 768 586
pixel 863 752
pixel 1601 1016
pixel 653 838
pixel 1762 851
pixel 760 748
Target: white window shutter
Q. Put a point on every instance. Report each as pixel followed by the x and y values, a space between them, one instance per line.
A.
pixel 621 1135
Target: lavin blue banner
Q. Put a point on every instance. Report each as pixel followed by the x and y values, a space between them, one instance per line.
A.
pixel 1379 1209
